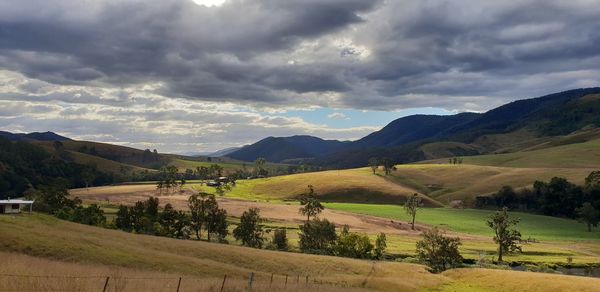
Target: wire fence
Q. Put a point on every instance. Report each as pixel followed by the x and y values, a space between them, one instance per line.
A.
pixel 117 283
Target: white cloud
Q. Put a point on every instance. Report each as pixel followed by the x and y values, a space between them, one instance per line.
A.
pixel 338 116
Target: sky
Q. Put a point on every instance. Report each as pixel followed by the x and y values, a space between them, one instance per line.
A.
pixel 202 75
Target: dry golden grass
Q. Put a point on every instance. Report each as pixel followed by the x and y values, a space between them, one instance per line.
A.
pixel 147 263
pixel 446 182
pixel 352 185
pixel 501 280
pixel 44 236
pixel 25 273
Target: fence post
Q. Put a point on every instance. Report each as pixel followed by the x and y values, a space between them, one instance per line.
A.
pixel 223 284
pixel 178 284
pixel 271 283
pixel 286 276
pixel 105 284
pixel 250 279
pixel 306 280
pixel 297 279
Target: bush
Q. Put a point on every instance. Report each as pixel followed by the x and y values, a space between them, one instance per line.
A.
pixel 280 241
pixel 439 252
pixel 353 245
pixel 249 231
pixel 317 236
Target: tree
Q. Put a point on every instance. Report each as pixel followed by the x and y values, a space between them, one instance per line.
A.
pixel 311 207
pixel 91 215
pixel 197 206
pixel 439 252
pixel 280 241
pixel 506 197
pixel 259 164
pixel 593 179
pixel 317 236
pixel 249 231
pixel 380 246
pixel 388 165
pixel 88 176
pixel 216 219
pixel 374 164
pixel 353 245
pixel 123 219
pixel 412 206
pixel 506 236
pixel 589 215
pixel 167 178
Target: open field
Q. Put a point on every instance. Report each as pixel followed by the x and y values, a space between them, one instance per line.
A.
pixel 472 221
pixel 58 247
pixel 558 238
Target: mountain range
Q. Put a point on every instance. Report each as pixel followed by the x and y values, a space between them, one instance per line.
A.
pixel 519 124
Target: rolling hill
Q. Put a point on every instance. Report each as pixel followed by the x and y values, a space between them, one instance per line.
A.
pixel 572 157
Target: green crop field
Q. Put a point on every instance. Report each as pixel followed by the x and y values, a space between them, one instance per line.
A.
pixel 471 221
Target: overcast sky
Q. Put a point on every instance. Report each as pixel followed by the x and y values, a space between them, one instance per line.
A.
pixel 183 75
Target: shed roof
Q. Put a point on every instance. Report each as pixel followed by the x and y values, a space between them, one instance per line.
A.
pixel 15 202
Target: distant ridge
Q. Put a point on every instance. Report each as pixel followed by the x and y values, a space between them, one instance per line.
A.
pixel 223 152
pixel 279 149
pixel 401 140
pixel 34 136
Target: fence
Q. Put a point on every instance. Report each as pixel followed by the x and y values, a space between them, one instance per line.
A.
pixel 116 283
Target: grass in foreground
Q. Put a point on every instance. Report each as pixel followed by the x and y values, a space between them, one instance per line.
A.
pixel 94 251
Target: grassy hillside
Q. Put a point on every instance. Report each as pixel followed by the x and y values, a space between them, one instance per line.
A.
pixel 578 155
pixel 46 237
pixel 62 248
pixel 352 185
pixel 446 182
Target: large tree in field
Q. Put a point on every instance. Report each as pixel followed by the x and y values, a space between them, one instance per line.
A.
pixel 412 206
pixel 311 207
pixel 506 235
pixel 216 219
pixel 374 164
pixel 198 210
pixel 249 231
pixel 439 252
pixel 588 215
pixel 388 165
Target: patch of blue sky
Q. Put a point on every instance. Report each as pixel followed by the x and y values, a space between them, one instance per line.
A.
pixel 348 118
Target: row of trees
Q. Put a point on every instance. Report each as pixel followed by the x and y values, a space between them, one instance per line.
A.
pixel 558 197
pixel 387 164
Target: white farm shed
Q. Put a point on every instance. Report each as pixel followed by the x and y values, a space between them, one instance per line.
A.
pixel 14 206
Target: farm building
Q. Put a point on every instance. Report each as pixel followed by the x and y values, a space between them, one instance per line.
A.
pixel 14 206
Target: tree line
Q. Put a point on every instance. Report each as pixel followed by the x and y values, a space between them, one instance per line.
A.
pixel 558 197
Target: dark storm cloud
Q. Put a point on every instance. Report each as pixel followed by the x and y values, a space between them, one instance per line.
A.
pixel 179 43
pixel 372 54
